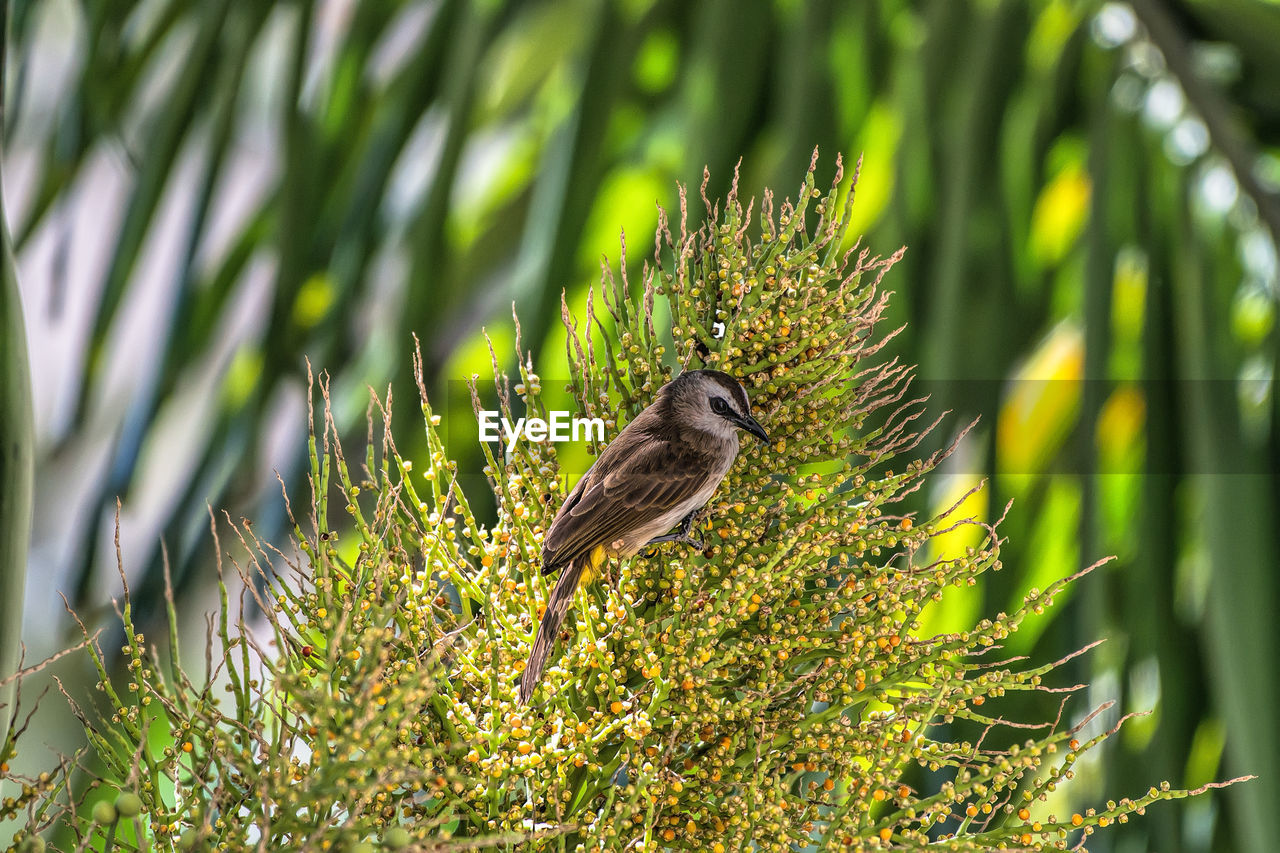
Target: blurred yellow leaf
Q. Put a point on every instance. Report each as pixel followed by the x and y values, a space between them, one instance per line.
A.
pixel 878 145
pixel 1129 294
pixel 1119 429
pixel 1120 440
pixel 1128 313
pixel 1059 215
pixel 972 503
pixel 959 606
pixel 1042 403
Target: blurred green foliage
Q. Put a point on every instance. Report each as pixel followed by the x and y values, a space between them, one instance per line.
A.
pixel 203 193
pixel 17 449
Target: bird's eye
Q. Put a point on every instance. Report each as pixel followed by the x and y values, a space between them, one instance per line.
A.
pixel 719 406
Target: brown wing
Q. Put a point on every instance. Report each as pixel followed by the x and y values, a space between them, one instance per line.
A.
pixel 646 480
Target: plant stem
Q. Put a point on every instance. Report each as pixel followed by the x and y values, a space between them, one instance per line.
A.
pixel 17 440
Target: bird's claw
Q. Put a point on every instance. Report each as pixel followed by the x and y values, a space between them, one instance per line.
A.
pixel 684 536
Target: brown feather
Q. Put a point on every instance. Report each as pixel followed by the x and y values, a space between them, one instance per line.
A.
pixel 618 500
pixel 557 606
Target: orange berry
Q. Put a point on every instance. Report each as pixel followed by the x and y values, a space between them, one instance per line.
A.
pixel 1023 814
pixel 1076 819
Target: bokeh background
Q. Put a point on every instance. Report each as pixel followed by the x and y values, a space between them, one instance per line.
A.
pixel 204 193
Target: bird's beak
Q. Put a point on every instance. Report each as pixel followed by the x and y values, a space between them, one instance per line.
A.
pixel 752 426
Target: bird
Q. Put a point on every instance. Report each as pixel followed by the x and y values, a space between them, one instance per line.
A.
pixel 659 471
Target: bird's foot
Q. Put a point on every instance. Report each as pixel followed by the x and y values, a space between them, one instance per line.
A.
pixel 694 541
pixel 673 537
pixel 684 535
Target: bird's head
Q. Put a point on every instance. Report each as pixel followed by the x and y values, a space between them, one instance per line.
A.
pixel 713 402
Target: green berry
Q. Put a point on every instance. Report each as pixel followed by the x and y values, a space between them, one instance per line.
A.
pixel 396 838
pixel 128 804
pixel 104 813
pixel 361 847
pixel 32 844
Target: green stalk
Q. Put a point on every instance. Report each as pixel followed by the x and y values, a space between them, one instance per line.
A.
pixel 17 439
pixel 1238 541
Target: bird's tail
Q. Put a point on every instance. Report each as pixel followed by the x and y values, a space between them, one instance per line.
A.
pixel 557 606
